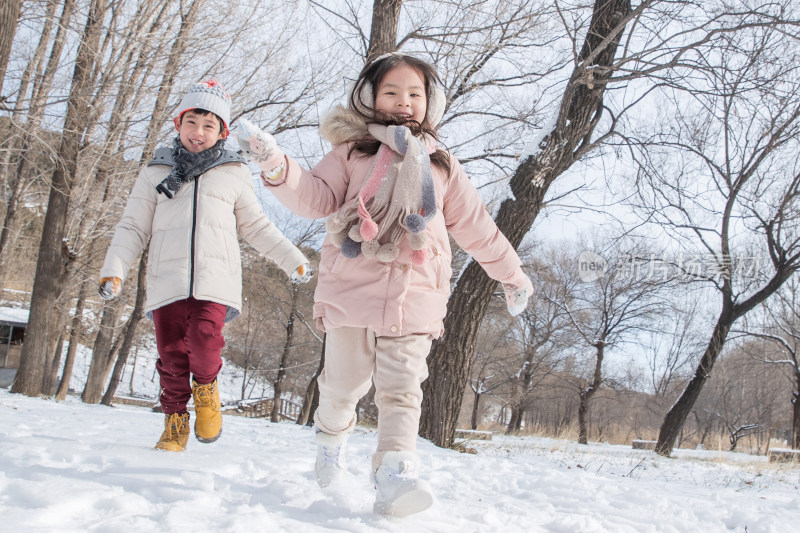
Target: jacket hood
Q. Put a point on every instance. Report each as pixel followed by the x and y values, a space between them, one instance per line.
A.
pixel 341 124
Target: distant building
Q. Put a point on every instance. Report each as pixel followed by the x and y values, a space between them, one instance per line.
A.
pixel 12 334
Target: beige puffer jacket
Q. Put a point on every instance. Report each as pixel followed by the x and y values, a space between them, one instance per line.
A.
pixel 194 247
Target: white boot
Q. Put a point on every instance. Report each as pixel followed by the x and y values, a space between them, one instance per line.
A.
pixel 331 464
pixel 400 492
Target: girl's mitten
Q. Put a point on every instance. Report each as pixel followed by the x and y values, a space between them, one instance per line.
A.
pixel 517 292
pixel 258 146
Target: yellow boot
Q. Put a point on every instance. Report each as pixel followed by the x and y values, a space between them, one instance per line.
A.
pixel 176 433
pixel 208 416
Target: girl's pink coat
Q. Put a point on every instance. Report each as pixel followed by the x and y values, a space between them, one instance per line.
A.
pixel 395 298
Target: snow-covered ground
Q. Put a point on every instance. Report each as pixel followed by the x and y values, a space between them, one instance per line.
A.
pixel 75 467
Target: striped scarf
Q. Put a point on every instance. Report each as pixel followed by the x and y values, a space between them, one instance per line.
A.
pixel 396 201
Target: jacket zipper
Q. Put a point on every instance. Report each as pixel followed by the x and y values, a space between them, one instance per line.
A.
pixel 194 230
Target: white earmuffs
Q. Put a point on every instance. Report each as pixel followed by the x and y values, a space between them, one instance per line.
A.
pixel 364 100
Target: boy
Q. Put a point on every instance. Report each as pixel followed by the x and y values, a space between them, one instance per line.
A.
pixel 191 202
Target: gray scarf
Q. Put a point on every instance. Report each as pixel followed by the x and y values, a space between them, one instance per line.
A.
pixel 188 166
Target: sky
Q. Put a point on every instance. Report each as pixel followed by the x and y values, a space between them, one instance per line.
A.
pixel 72 467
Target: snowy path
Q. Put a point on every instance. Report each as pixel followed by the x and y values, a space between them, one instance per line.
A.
pixel 73 467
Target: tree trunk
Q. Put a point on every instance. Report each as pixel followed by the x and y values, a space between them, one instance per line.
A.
pixel 476 402
pixel 19 181
pixel 51 377
pixel 796 413
pixel 130 331
pixel 583 418
pixel 586 395
pixel 311 398
pixel 676 416
pixel 131 390
pixel 9 15
pixel 449 361
pixel 103 353
pixel 75 334
pixel 383 35
pixel 277 385
pixel 515 421
pixel 48 280
pixel 570 139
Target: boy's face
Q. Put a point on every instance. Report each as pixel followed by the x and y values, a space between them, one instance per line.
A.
pixel 198 132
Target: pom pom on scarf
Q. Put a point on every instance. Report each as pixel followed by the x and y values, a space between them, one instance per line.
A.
pixel 355 234
pixel 370 248
pixel 388 252
pixel 419 257
pixel 415 223
pixel 351 248
pixel 369 229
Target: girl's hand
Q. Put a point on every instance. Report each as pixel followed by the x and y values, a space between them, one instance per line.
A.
pixel 303 274
pixel 517 293
pixel 259 147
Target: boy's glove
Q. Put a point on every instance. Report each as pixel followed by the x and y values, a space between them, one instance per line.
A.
pixel 517 293
pixel 258 146
pixel 109 288
pixel 303 274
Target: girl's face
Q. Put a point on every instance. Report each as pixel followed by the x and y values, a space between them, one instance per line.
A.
pixel 401 94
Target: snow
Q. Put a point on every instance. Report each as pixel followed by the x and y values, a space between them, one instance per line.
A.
pixel 14 316
pixel 70 466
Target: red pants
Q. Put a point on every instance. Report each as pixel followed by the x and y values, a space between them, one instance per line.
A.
pixel 189 339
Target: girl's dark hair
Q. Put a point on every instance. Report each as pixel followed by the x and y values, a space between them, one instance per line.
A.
pixel 372 74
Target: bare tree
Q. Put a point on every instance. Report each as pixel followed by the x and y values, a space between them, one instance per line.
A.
pixel 311 397
pixel 383 36
pixel 782 328
pixel 570 138
pixel 607 303
pixel 20 154
pixel 719 179
pixel 9 15
pixel 130 334
pixel 545 340
pixel 48 282
pixel 671 349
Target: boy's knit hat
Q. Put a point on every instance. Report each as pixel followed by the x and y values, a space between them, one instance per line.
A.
pixel 211 96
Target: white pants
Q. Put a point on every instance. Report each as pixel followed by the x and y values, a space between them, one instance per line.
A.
pixel 354 357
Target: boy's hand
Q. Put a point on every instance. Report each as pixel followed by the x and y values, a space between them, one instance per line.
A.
pixel 109 288
pixel 258 146
pixel 517 293
pixel 303 274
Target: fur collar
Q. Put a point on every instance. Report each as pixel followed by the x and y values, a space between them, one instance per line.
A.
pixel 341 124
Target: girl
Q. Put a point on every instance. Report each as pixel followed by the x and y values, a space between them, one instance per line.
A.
pixel 391 197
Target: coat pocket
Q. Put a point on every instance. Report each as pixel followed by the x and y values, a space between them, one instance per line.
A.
pixel 437 259
pixel 335 264
pixel 154 253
